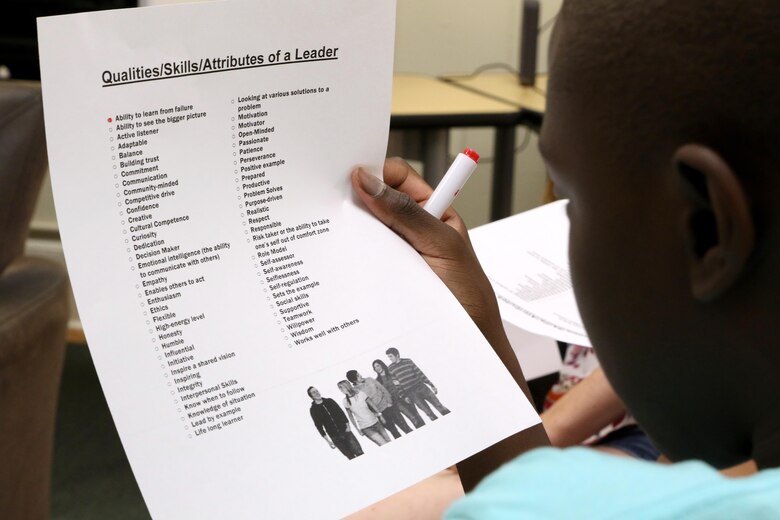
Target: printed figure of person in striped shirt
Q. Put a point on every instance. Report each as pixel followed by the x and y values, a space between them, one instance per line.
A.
pixel 416 387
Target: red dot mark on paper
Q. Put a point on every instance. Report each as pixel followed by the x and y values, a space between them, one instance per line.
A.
pixel 109 119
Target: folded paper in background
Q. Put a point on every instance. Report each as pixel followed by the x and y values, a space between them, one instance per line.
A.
pixel 526 257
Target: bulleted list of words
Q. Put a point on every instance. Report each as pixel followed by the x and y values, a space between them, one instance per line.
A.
pixel 290 289
pixel 169 269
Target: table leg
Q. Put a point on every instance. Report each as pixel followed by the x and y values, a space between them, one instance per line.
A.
pixel 503 172
pixel 435 151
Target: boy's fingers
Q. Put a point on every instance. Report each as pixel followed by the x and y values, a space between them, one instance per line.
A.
pixel 400 175
pixel 402 214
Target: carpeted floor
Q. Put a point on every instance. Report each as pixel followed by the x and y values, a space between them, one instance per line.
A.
pixel 91 479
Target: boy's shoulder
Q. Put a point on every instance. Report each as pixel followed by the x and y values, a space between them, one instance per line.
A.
pixel 598 486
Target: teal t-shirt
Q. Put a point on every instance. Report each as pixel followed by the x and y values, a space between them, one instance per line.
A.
pixel 582 483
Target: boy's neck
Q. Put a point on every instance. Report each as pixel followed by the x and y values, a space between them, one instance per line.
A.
pixel 766 445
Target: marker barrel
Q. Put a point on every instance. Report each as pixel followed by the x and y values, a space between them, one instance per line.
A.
pixel 452 182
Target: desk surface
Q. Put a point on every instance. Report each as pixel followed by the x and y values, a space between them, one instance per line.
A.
pixel 505 87
pixel 427 101
pixel 434 105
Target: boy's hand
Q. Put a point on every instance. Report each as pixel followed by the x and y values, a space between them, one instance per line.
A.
pixel 443 244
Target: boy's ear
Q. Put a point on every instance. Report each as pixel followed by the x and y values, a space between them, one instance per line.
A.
pixel 718 224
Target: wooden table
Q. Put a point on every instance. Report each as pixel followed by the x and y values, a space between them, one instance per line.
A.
pixel 506 88
pixel 433 106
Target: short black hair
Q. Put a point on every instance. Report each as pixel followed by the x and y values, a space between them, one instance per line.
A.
pixel 393 351
pixel 352 376
pixel 671 80
pixel 308 391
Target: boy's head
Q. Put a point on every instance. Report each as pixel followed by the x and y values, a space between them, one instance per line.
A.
pixel 392 354
pixel 662 130
pixel 353 376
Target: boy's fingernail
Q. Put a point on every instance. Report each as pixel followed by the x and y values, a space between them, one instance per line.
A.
pixel 370 183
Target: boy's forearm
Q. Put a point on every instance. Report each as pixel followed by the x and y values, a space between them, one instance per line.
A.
pixel 476 467
pixel 584 410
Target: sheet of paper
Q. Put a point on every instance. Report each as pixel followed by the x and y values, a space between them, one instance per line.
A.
pixel 200 157
pixel 526 257
pixel 538 355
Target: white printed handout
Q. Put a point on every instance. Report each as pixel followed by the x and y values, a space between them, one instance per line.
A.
pixel 526 258
pixel 267 348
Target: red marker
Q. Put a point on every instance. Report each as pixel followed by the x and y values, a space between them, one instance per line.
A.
pixel 452 182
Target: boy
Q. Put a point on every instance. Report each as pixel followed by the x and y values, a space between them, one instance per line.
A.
pixel 415 385
pixel 661 129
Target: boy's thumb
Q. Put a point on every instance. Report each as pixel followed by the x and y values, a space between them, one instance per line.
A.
pixel 401 213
